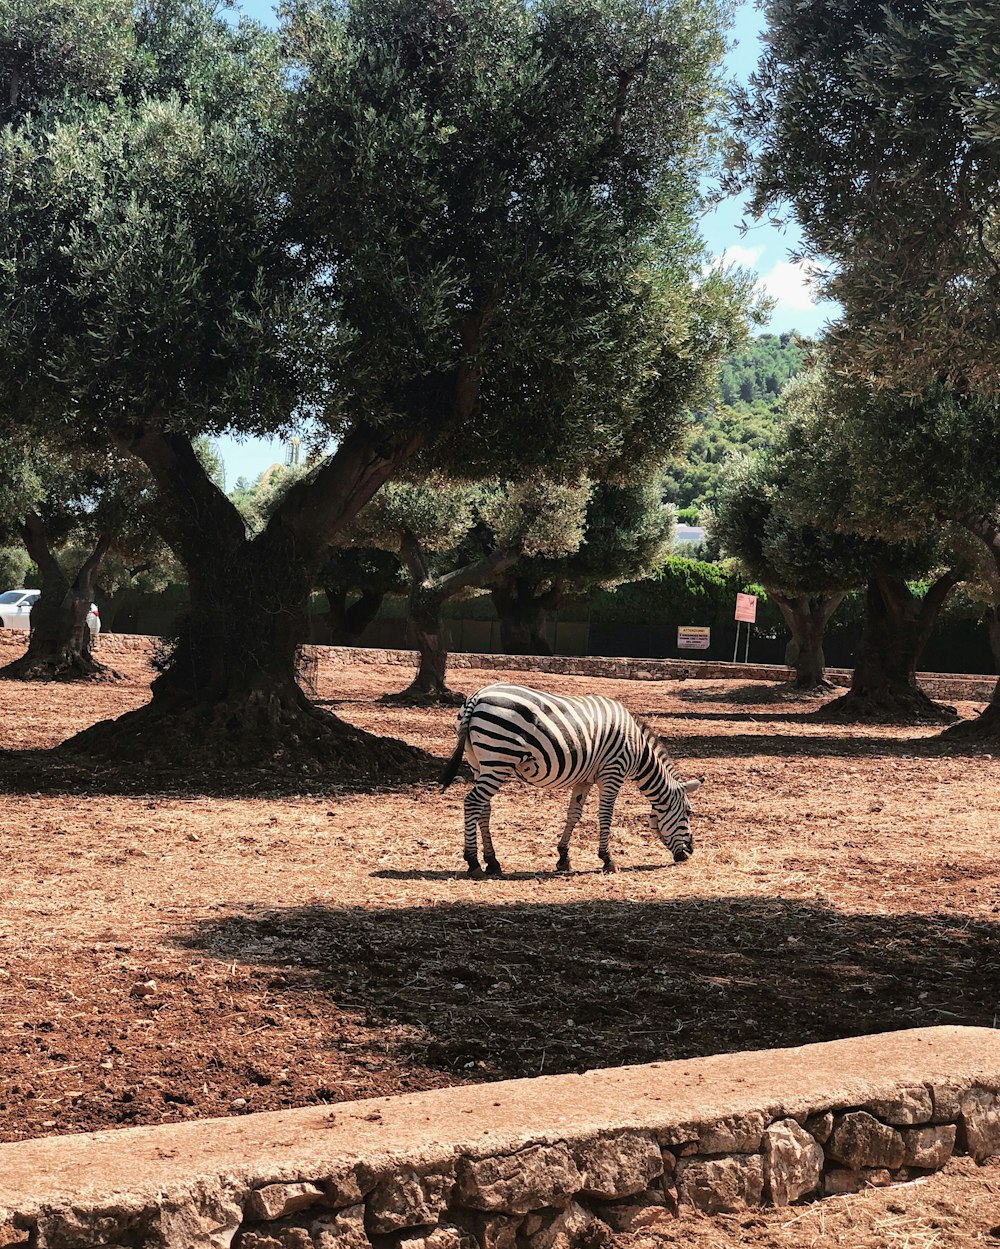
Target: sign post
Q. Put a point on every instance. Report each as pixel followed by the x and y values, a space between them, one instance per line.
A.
pixel 746 610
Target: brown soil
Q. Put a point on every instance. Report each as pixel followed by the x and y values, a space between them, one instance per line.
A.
pixel 172 950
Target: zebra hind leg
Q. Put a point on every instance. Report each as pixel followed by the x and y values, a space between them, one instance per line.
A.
pixel 493 867
pixel 477 815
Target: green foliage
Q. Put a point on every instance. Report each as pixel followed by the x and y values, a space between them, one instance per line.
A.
pixel 15 566
pixel 684 591
pixel 878 124
pixel 751 521
pixel 49 48
pixel 507 195
pixel 760 369
pixel 145 269
pixel 748 419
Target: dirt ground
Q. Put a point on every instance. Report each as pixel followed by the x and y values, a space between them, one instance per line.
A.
pixel 169 953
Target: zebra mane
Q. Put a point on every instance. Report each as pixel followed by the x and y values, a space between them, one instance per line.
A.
pixel 657 747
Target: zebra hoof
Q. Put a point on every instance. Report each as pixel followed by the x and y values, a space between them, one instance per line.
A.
pixel 562 864
pixel 474 868
pixel 609 866
pixel 493 868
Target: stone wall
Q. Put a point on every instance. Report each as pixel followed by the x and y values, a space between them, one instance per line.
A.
pixel 551 1163
pixel 937 684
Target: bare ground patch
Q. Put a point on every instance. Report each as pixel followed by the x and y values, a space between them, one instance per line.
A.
pixel 171 952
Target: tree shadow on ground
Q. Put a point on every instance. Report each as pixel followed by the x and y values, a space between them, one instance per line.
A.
pixel 58 773
pixel 498 991
pixel 747 745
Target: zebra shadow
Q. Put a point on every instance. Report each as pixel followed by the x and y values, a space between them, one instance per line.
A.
pixel 390 873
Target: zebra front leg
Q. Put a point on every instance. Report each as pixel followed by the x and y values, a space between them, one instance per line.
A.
pixel 577 798
pixel 605 812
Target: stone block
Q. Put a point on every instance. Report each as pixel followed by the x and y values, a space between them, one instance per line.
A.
pixel 793 1162
pixel 947 1101
pixel 443 1237
pixel 721 1185
pixel 912 1104
pixel 736 1134
pixel 346 1189
pixel 11 1236
pixel 618 1166
pixel 820 1126
pixel 493 1231
pixel 407 1199
pixel 646 1212
pixel 928 1148
pixel 981 1117
pixel 569 1227
pixel 341 1229
pixel 859 1140
pixel 530 1179
pixel 839 1180
pixel 274 1201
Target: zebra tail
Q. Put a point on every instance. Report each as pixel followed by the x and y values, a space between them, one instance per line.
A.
pixel 455 762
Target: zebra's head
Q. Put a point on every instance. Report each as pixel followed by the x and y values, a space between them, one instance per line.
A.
pixel 670 818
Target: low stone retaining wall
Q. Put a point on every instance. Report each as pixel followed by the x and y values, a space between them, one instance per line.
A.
pixel 549 1163
pixel 624 667
pixel 937 684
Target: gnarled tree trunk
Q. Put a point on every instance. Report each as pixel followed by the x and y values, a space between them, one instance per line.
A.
pixel 522 615
pixel 348 621
pixel 897 626
pixel 428 594
pixel 59 641
pixel 807 616
pixel 228 694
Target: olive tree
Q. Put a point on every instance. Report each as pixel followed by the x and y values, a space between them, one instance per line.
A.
pixel 453 538
pixel 877 125
pixel 839 477
pixel 627 533
pixel 466 228
pixel 70 515
pixel 805 569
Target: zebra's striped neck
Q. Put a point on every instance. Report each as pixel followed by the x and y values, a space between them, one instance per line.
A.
pixel 655 775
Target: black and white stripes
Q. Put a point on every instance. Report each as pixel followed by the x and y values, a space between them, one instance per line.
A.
pixel 510 731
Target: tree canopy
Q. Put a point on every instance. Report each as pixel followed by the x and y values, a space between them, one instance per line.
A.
pixel 878 125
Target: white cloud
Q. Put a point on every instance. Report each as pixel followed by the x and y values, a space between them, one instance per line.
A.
pixel 745 257
pixel 788 283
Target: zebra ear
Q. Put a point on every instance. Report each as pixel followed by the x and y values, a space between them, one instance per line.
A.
pixel 690 786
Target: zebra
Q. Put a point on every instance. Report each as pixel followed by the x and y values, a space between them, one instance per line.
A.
pixel 510 731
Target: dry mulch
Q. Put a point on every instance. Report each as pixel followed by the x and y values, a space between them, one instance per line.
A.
pixel 172 949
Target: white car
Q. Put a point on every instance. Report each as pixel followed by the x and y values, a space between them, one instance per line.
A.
pixel 16 605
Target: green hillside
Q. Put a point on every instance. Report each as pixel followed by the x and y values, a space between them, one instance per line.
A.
pixel 744 419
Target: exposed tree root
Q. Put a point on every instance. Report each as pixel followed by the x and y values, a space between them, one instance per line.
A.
pixel 984 727
pixel 414 696
pixel 891 706
pixel 261 733
pixel 67 665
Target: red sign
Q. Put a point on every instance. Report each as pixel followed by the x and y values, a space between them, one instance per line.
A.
pixel 746 607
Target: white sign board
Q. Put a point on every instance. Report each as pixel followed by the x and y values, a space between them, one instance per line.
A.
pixel 693 638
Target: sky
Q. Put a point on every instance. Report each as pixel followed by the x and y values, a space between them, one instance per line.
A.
pixel 762 248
